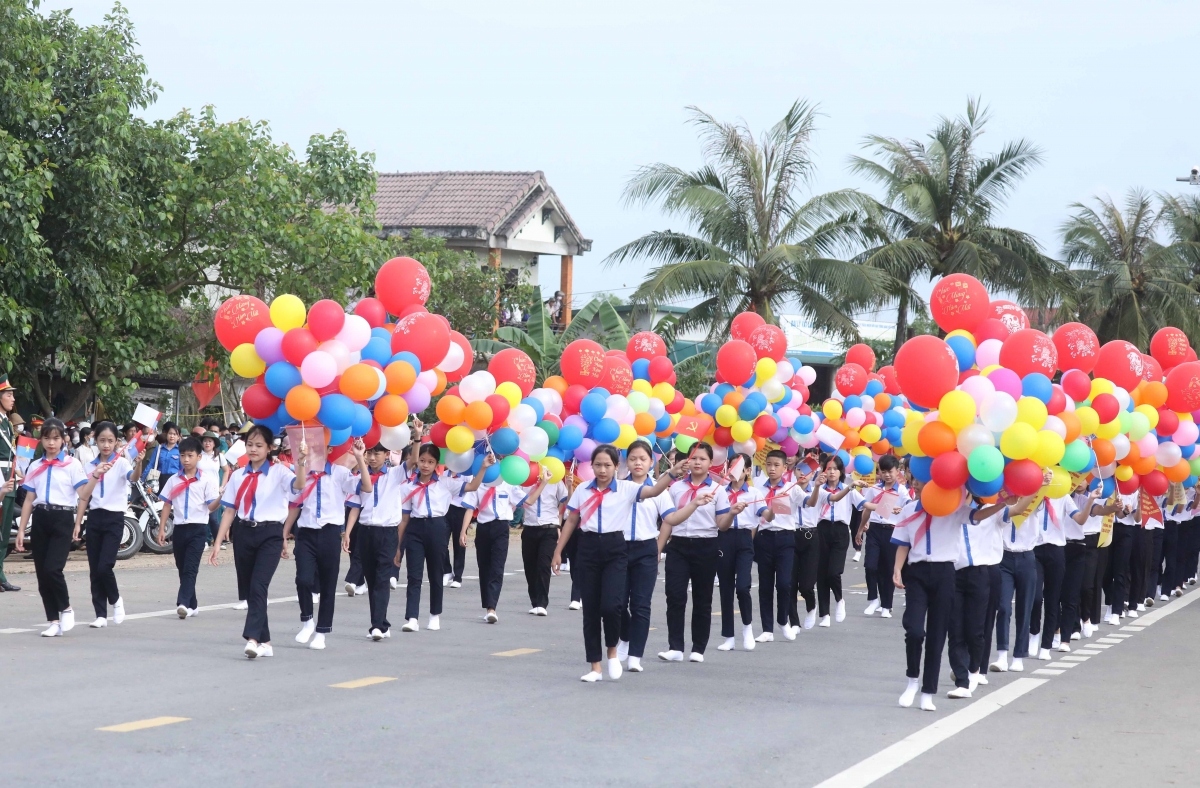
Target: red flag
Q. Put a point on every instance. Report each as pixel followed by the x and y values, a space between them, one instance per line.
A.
pixel 207 384
pixel 694 426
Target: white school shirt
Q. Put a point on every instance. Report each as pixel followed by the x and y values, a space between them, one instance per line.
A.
pixel 837 511
pixel 703 522
pixel 1170 514
pixel 1131 501
pixel 981 543
pixel 543 508
pixel 755 506
pixel 785 491
pixel 930 539
pixel 434 500
pixel 465 479
pixel 615 510
pixel 191 507
pixel 1051 517
pixel 326 504
pixel 499 505
pixel 270 501
pixel 381 506
pixel 872 494
pixel 645 514
pixel 1094 522
pixel 55 486
pixel 111 493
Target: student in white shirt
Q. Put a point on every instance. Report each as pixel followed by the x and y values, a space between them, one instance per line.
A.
pixel 1095 561
pixel 213 464
pixel 834 501
pixel 806 562
pixel 189 497
pixel 491 508
pixel 1120 551
pixel 425 500
pixel 542 507
pixel 456 564
pixel 1172 578
pixel 602 509
pixel 736 556
pixel 318 514
pixel 1053 518
pixel 775 549
pixel 52 485
pixel 107 493
pixel 256 504
pixel 875 535
pixel 372 534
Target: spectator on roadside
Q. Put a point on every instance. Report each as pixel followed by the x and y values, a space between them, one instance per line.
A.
pixel 85 452
pixel 162 459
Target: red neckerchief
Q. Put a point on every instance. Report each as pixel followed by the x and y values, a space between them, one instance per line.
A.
pixel 182 487
pixel 314 478
pixel 828 508
pixel 45 466
pixel 735 494
pixel 248 488
pixel 423 489
pixel 488 495
pixel 1050 515
pixel 592 505
pixel 690 494
pixel 923 528
pixel 774 492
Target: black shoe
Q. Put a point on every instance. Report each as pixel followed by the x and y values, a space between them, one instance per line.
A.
pixel 6 586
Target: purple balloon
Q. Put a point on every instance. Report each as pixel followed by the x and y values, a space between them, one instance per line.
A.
pixel 577 421
pixel 584 452
pixel 780 434
pixel 417 398
pixel 789 446
pixel 269 345
pixel 1007 381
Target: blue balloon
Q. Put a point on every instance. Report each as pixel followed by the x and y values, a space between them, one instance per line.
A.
pixel 281 377
pixel 845 455
pixel 381 333
pixel 537 406
pixel 606 430
pixel 921 467
pixel 337 412
pixel 338 437
pixel 852 401
pixel 893 418
pixel 874 387
pixel 476 464
pixel 964 351
pixel 663 422
pixel 641 369
pixel 708 403
pixel 411 358
pixel 984 489
pixel 603 392
pixel 281 415
pixel 1189 481
pixel 722 390
pixel 378 350
pixel 894 435
pixel 664 445
pixel 863 464
pixel 804 425
pixel 491 474
pixel 593 407
pixel 362 421
pixel 557 453
pixel 271 422
pixel 504 441
pixel 1038 386
pixel 570 437
pixel 1110 484
pixel 750 408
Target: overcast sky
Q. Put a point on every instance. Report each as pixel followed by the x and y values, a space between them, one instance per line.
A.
pixel 589 91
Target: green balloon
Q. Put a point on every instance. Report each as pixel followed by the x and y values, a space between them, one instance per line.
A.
pixel 514 469
pixel 1077 457
pixel 986 463
pixel 550 430
pixel 684 443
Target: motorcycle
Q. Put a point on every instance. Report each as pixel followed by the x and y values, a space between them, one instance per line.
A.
pixel 146 507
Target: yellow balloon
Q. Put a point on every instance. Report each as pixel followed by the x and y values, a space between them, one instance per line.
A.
pixel 741 431
pixel 1031 411
pixel 908 438
pixel 727 415
pixel 913 417
pixel 642 387
pixel 288 312
pixel 556 468
pixel 870 433
pixel 511 392
pixel 459 439
pixel 967 335
pixel 989 370
pixel 1049 451
pixel 1149 412
pixel 1019 441
pixel 1060 485
pixel 245 361
pixel 664 392
pixel 765 370
pixel 957 409
pixel 626 436
pixel 1123 473
pixel 1101 386
pixel 1088 420
pixel 832 409
pixel 1110 430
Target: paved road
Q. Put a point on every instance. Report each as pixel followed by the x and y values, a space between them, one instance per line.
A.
pixel 456 713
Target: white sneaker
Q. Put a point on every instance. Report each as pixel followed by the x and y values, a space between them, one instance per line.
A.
pixel 766 637
pixel 1043 654
pixel 839 612
pixel 576 605
pixel 1134 613
pixel 824 621
pixel 790 632
pixel 1001 663
pixel 748 637
pixel 910 693
pixel 265 650
pixel 885 613
pixel 118 610
pixel 1076 635
pixel 349 589
pixel 671 656
pixel 872 607
pixel 193 612
pixel 695 657
pixel 1017 666
pixel 491 617
pixel 1140 608
pixel 857 556
pixel 726 645
pixel 981 678
pixel 434 624
pixel 316 599
pixel 927 702
pixel 1114 620
pixel 1164 598
pixel 67 620
pixel 614 669
pixel 635 665
pixel 622 650
pixel 412 625
pixel 241 605
pixel 533 611
pixel 455 584
pixel 318 642
pixel 566 567
pixel 591 677
pixel 53 631
pixel 958 693
pixel 541 611
pixel 99 623
pixel 251 650
pixel 1065 648
pixel 446 578
pixel 362 589
pixel 306 631
pixel 181 611
pixel 1057 639
pixel 810 618
pixel 376 635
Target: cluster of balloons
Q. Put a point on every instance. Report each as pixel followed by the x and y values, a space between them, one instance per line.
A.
pixel 360 374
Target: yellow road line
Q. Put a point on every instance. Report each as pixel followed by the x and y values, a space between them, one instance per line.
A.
pixel 516 652
pixel 138 725
pixel 367 682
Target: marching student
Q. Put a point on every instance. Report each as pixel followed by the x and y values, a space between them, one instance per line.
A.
pixel 1050 518
pixel 452 574
pixel 834 501
pixel 601 509
pixel 356 583
pixel 163 458
pixel 807 559
pixel 927 549
pixel 107 494
pixel 319 515
pixel 212 463
pixel 1120 551
pixel 1018 574
pixel 1174 541
pixel 877 527
pixel 775 549
pixel 52 484
pixel 1095 561
pixel 421 537
pixel 256 504
pixel 372 527
pixel 542 508
pixel 491 507
pixel 189 496
pixel 735 556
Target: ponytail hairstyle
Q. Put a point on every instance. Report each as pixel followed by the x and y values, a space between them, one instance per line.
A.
pixel 609 451
pixel 263 432
pixel 429 450
pixel 102 426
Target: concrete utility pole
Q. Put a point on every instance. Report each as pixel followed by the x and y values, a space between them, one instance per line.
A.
pixel 1193 179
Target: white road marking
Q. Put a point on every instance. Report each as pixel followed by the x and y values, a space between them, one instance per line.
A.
pixel 13 631
pixel 1132 629
pixel 1074 659
pixel 1087 651
pixel 1048 672
pixel 1063 665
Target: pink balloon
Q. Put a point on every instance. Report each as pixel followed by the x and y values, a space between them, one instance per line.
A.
pixel 417 398
pixel 318 369
pixel 584 471
pixel 1186 433
pixel 988 353
pixel 1007 381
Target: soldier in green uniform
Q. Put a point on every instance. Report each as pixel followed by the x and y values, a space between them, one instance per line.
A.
pixel 8 456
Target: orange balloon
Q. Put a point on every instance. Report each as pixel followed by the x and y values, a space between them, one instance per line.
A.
pixel 441 382
pixel 760 441
pixel 881 447
pixel 937 438
pixel 1135 394
pixel 450 410
pixel 1178 472
pixel 391 410
pixel 478 415
pixel 882 402
pixel 689 408
pixel 1155 394
pixel 556 382
pixel 1105 453
pixel 734 398
pixel 359 382
pixel 1071 422
pixel 643 423
pixel 1144 465
pixel 1133 456
pixel 400 377
pixel 852 440
pixel 938 501
pixel 303 402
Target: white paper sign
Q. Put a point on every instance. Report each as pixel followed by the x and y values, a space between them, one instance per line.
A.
pixel 146 416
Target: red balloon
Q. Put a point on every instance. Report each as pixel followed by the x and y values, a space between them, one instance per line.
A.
pixel 437 434
pixel 736 360
pixel 514 366
pixel 949 470
pixel 1028 351
pixel 850 379
pixel 239 319
pixel 1155 483
pixel 1058 401
pixel 424 336
pixel 500 410
pixel 583 363
pixel 468 358
pixel 339 451
pixel 401 282
pixel 765 426
pixel 769 342
pixel 1129 486
pixel 1183 387
pixel 373 311
pixel 1077 347
pixel 411 309
pixel 372 436
pixel 743 325
pixel 1170 346
pixel 259 403
pixel 661 369
pixel 1022 477
pixel 572 397
pixel 1107 407
pixel 535 473
pixel 1168 422
pixel 991 329
pixel 676 405
pixel 926 368
pixel 1012 316
pixel 618 375
pixel 891 384
pixel 297 344
pixel 325 319
pixel 959 301
pixel 645 344
pixel 722 436
pixel 862 355
pixel 1120 362
pixel 1076 384
pixel 1151 369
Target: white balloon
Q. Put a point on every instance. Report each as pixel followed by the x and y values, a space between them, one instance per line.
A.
pixel 382 387
pixel 522 417
pixel 746 447
pixel 534 442
pixel 784 371
pixel 657 408
pixel 1106 471
pixel 773 390
pixel 808 375
pixel 395 438
pixel 1120 444
pixel 355 333
pixel 972 436
pixel 1168 454
pixel 1122 397
pixel 460 462
pixel 453 360
pixel 720 455
pixel 998 411
pixel 1055 425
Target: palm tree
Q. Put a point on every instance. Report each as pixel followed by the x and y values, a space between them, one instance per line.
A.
pixel 756 245
pixel 937 217
pixel 1130 283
